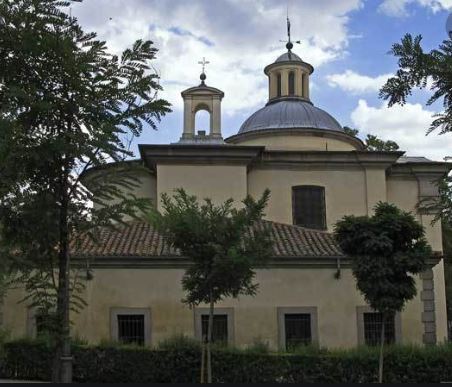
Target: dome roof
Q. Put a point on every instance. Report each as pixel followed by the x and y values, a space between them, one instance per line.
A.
pixel 289 114
pixel 288 56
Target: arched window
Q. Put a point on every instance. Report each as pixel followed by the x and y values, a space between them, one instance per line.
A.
pixel 202 121
pixel 278 85
pixel 308 206
pixel 291 83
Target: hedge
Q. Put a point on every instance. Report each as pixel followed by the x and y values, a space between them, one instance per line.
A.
pixel 32 361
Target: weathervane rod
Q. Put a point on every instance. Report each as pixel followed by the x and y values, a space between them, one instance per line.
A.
pixel 288 21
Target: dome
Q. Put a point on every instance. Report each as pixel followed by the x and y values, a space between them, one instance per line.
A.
pixel 289 114
pixel 288 56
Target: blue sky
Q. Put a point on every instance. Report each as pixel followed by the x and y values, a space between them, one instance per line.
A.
pixel 347 41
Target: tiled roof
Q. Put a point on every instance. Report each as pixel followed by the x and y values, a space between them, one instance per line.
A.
pixel 141 240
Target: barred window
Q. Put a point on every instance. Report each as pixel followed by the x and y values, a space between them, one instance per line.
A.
pixel 131 328
pixel 298 330
pixel 308 206
pixel 372 329
pixel 278 85
pixel 291 83
pixel 220 327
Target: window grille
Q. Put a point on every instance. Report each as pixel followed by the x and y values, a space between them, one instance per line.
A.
pixel 220 327
pixel 297 329
pixel 291 83
pixel 308 206
pixel 131 328
pixel 279 85
pixel 372 329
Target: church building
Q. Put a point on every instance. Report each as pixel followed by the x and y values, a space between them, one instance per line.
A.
pixel 317 173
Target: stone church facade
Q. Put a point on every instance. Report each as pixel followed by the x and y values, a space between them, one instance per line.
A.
pixel 307 295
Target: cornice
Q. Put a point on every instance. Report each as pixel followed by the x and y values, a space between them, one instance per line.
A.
pixel 313 132
pixel 117 262
pixel 198 154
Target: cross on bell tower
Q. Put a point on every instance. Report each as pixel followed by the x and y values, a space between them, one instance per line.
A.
pixel 203 74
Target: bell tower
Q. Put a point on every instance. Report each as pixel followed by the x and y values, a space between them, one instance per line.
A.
pixel 198 98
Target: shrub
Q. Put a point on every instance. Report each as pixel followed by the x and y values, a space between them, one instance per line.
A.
pixel 26 359
pixel 179 342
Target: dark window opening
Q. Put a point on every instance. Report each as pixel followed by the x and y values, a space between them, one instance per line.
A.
pixel 220 328
pixel 44 323
pixel 308 206
pixel 278 85
pixel 298 330
pixel 131 329
pixel 372 329
pixel 291 83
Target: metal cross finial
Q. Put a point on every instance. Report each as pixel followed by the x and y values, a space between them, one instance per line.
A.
pixel 203 63
pixel 289 44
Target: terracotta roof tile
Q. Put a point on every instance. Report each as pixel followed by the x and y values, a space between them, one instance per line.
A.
pixel 140 239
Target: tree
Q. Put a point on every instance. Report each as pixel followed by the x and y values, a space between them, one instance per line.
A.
pixel 225 244
pixel 373 143
pixel 387 250
pixel 416 69
pixel 66 105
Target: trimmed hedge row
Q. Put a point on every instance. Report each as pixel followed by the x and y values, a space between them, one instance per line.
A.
pixel 32 360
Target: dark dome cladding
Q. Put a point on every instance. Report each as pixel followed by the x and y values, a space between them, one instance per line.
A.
pixel 290 114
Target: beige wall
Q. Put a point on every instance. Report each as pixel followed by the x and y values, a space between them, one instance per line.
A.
pixel 147 188
pixel 298 142
pixel 345 191
pixel 218 182
pixel 160 290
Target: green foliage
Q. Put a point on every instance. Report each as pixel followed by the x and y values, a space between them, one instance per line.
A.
pixel 224 243
pixel 387 249
pixel 373 143
pixel 66 105
pixel 416 67
pixel 178 342
pixel 447 248
pixel 429 364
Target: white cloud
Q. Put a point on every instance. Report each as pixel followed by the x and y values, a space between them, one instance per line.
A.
pixel 399 8
pixel 238 37
pixel 407 125
pixel 355 83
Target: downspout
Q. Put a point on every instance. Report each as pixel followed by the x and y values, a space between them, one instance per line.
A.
pixel 337 275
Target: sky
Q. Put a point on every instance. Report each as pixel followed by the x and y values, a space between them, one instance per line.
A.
pixel 347 42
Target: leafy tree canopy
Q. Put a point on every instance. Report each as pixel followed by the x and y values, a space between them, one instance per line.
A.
pixel 373 143
pixel 224 243
pixel 416 68
pixel 387 248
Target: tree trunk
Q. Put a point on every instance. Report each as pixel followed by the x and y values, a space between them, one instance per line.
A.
pixel 62 364
pixel 209 341
pixel 203 357
pixel 382 342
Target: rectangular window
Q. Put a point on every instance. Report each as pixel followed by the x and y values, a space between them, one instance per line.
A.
pixel 220 327
pixel 372 329
pixel 131 328
pixel 308 206
pixel 298 330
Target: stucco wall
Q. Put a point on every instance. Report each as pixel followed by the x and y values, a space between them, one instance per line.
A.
pixel 146 188
pixel 403 191
pixel 345 191
pixel 218 182
pixel 160 290
pixel 299 142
